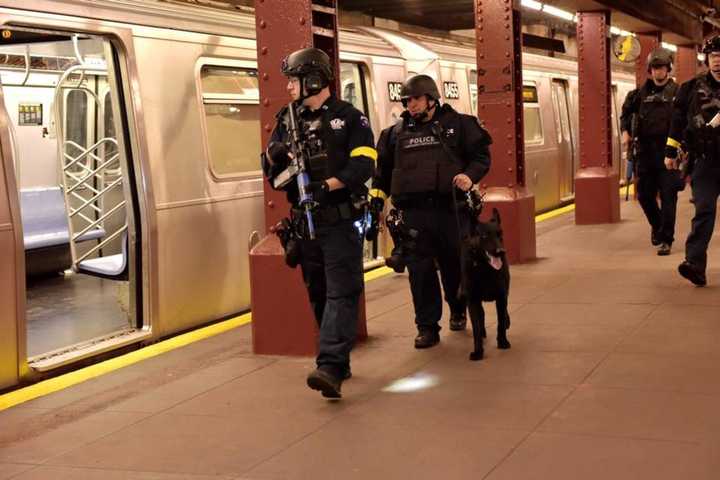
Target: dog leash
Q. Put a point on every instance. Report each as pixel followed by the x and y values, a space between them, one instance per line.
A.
pixel 462 294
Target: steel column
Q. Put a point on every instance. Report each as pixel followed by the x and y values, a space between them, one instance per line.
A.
pixel 597 199
pixel 283 323
pixel 648 42
pixel 500 108
pixel 686 63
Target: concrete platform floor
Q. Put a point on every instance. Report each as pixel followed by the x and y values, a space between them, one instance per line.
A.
pixel 614 374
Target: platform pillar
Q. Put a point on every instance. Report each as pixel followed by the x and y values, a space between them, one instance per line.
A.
pixel 686 63
pixel 597 198
pixel 283 323
pixel 500 109
pixel 648 42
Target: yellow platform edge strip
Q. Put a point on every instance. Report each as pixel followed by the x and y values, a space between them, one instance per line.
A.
pixel 64 381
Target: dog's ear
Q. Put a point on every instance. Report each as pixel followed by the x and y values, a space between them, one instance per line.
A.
pixel 496 216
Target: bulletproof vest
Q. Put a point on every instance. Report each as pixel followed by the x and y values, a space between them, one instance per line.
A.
pixel 655 112
pixel 704 105
pixel 422 164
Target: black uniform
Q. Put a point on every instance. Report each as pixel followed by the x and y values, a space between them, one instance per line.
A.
pixel 417 171
pixel 341 146
pixel 653 105
pixel 697 102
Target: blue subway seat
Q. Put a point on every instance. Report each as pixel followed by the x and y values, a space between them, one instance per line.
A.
pixel 44 219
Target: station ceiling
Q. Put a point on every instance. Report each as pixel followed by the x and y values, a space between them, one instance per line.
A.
pixel 679 20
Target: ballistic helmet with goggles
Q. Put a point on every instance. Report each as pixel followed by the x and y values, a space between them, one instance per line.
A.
pixel 660 57
pixel 418 86
pixel 312 66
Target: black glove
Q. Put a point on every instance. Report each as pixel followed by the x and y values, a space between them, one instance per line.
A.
pixel 377 204
pixel 376 208
pixel 278 153
pixel 317 190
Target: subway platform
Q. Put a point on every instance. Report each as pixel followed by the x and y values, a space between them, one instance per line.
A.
pixel 614 373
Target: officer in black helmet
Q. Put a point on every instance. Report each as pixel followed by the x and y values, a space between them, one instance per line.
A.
pixel 342 156
pixel 429 156
pixel 695 120
pixel 651 105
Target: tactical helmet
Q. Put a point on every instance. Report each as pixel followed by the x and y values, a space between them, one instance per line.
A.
pixel 712 44
pixel 660 57
pixel 312 66
pixel 417 86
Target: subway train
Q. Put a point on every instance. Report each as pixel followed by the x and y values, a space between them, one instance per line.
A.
pixel 130 188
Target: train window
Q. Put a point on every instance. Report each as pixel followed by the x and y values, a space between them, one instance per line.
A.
pixel 531 115
pixel 352 85
pixel 76 126
pixel 232 119
pixel 472 83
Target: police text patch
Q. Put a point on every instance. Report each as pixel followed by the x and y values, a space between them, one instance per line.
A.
pixel 418 142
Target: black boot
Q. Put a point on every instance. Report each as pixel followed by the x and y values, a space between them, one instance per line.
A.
pixel 324 381
pixel 458 321
pixel 427 339
pixel 664 249
pixel 655 238
pixel 693 273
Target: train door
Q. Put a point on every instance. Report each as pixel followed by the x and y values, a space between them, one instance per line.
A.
pixel 616 140
pixel 12 288
pixel 74 193
pixel 563 128
pixel 354 90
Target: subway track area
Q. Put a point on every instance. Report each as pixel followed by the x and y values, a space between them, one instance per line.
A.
pixel 614 373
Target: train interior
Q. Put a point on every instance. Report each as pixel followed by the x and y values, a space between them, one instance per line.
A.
pixel 75 201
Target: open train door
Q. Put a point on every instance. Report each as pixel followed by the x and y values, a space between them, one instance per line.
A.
pixel 12 260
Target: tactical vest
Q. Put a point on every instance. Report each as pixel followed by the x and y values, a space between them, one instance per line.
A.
pixel 655 111
pixel 422 164
pixel 704 105
pixel 313 131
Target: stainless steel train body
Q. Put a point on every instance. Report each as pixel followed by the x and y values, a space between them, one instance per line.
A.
pixel 179 87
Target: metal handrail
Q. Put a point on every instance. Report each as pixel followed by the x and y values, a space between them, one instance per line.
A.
pixel 90 164
pixel 100 245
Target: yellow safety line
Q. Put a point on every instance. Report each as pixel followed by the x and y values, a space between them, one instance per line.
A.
pixel 78 376
pixel 377 273
pixel 64 381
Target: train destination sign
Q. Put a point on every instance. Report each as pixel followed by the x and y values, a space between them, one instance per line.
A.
pixel 394 91
pixel 451 90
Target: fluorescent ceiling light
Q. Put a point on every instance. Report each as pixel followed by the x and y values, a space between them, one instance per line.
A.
pixel 532 4
pixel 669 46
pixel 556 12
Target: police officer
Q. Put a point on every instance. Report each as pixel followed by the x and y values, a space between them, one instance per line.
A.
pixel 652 106
pixel 697 103
pixel 341 161
pixel 431 151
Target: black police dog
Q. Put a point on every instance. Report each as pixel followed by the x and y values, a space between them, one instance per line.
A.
pixel 486 278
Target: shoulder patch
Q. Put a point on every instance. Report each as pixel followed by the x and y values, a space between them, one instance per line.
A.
pixel 364 122
pixel 337 123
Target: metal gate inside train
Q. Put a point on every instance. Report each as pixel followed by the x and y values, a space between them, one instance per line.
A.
pixel 62 96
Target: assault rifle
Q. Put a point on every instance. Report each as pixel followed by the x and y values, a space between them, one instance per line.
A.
pixel 297 170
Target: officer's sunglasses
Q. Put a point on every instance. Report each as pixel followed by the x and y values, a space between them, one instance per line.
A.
pixel 405 100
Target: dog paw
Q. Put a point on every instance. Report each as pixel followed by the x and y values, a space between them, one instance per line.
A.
pixel 477 355
pixel 503 343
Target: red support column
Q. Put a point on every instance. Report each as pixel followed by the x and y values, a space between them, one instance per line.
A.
pixel 597 198
pixel 500 108
pixel 648 42
pixel 686 63
pixel 283 322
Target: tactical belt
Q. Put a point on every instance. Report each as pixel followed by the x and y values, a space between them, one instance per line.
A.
pixel 331 214
pixel 423 200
